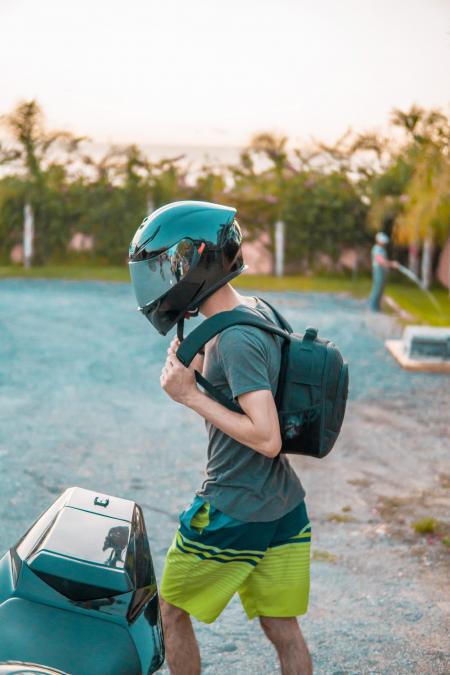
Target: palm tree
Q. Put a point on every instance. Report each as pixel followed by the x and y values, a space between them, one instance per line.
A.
pixel 32 142
pixel 259 182
pixel 425 217
pixel 30 153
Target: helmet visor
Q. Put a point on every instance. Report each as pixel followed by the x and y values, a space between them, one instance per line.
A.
pixel 155 275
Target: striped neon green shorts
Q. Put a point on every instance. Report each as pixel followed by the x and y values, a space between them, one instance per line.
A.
pixel 213 556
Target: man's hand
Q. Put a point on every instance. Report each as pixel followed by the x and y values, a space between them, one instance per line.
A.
pixel 178 381
pixel 258 428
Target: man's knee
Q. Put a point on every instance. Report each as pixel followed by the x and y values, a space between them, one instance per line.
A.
pixel 279 630
pixel 170 613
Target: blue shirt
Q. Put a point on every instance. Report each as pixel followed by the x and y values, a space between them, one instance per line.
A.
pixel 378 250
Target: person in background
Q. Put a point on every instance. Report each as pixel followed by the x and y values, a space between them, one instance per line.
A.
pixel 380 266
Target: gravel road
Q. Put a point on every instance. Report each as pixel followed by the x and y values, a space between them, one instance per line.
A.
pixel 80 404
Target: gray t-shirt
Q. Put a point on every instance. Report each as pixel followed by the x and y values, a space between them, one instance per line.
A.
pixel 241 482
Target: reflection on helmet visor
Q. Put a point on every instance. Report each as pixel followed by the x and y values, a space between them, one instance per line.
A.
pixel 153 277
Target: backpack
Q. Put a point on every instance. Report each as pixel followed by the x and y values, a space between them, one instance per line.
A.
pixel 312 387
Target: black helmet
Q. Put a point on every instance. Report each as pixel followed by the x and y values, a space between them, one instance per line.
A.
pixel 180 255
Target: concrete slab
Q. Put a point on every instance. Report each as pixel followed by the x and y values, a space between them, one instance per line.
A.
pixel 396 348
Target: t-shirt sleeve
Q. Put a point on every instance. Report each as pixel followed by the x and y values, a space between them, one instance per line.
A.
pixel 243 356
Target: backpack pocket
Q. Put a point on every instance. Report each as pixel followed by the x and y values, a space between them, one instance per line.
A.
pixel 293 424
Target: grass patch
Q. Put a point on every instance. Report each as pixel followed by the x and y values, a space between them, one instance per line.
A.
pixel 339 518
pixel 390 507
pixel 323 556
pixel 359 482
pixel 416 303
pixel 409 297
pixel 359 287
pixel 444 479
pixel 426 526
pixel 405 294
pixel 71 272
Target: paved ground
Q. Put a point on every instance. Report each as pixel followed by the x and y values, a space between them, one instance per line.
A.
pixel 80 404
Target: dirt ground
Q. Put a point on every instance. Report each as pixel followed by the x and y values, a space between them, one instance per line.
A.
pixel 80 404
pixel 391 584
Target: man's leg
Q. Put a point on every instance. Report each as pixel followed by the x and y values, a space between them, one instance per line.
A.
pixel 378 283
pixel 182 652
pixel 287 638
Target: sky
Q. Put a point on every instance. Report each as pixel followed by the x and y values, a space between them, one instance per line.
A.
pixel 214 72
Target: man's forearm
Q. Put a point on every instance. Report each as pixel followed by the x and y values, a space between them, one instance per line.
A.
pixel 238 426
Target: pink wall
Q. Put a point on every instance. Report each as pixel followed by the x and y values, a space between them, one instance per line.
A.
pixel 443 270
pixel 257 256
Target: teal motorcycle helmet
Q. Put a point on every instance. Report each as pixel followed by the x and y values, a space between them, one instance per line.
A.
pixel 180 255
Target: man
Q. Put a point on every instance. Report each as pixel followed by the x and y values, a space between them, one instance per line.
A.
pixel 380 266
pixel 247 529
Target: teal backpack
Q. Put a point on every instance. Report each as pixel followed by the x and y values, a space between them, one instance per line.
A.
pixel 312 386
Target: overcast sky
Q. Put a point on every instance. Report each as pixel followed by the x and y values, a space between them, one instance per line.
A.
pixel 213 72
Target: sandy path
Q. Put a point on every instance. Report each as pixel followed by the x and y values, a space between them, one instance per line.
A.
pixel 80 404
pixel 384 601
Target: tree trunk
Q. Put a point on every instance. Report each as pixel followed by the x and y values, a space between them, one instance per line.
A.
pixel 28 235
pixel 427 262
pixel 279 248
pixel 413 257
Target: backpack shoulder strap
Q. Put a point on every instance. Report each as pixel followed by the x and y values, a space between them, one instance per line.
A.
pixel 217 394
pixel 280 318
pixel 209 328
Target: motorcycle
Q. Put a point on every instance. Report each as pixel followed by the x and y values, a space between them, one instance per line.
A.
pixel 78 592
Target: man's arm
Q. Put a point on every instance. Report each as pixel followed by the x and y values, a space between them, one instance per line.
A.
pixel 384 262
pixel 258 427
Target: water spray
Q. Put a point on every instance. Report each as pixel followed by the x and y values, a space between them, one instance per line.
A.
pixel 415 279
